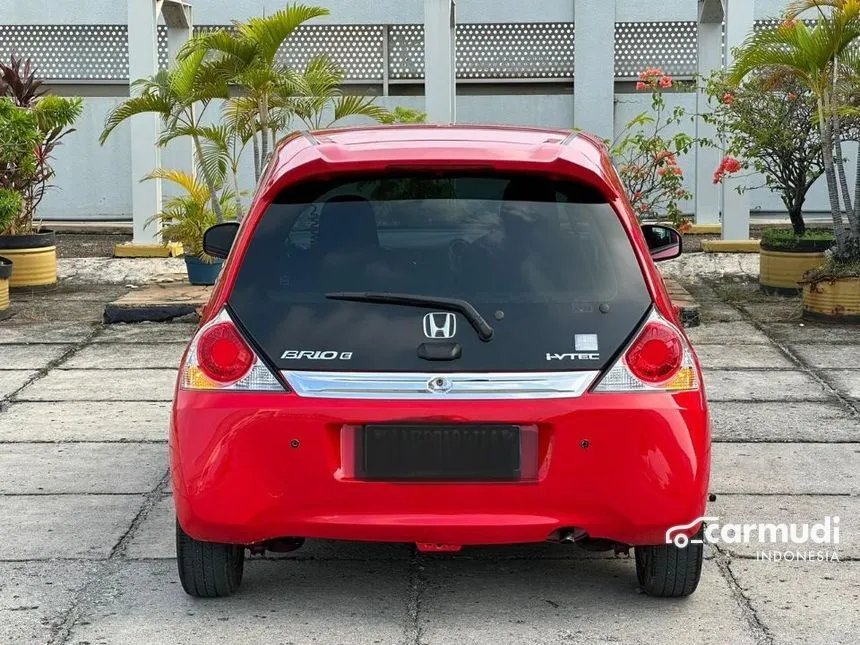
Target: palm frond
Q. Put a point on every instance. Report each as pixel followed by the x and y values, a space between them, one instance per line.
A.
pixel 270 32
pixel 144 104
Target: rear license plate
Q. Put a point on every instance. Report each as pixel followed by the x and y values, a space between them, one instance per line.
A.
pixel 438 453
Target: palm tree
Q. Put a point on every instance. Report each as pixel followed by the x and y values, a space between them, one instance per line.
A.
pixel 815 57
pixel 272 94
pixel 180 96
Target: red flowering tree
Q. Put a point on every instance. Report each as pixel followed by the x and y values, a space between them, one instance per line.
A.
pixel 646 153
pixel 769 129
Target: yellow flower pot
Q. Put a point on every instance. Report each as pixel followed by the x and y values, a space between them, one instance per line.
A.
pixel 833 300
pixel 5 274
pixel 782 271
pixel 34 259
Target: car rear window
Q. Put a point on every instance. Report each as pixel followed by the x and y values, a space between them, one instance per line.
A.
pixel 517 244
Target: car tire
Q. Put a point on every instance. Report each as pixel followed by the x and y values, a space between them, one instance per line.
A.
pixel 667 571
pixel 208 569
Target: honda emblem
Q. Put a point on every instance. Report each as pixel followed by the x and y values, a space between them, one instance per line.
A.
pixel 440 325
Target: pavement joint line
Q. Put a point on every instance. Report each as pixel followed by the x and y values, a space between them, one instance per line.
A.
pixel 62 629
pixel 42 372
pixel 19 400
pixel 63 442
pixel 412 631
pixel 850 406
pixel 778 441
pixel 760 631
pixel 76 494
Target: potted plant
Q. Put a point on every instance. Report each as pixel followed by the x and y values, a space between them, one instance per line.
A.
pixel 185 218
pixel 773 128
pixel 822 58
pixel 10 205
pixel 32 125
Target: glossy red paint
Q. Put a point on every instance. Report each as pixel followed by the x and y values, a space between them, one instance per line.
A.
pixel 249 467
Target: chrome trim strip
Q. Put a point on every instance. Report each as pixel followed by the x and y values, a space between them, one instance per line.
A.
pixel 439 386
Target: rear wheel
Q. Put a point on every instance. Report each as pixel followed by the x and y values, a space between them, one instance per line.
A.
pixel 208 569
pixel 668 571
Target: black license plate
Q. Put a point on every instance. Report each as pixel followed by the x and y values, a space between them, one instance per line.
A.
pixel 438 453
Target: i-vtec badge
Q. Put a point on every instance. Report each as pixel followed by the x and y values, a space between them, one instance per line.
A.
pixel 573 357
pixel 298 355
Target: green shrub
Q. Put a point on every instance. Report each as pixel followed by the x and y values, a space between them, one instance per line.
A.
pixel 778 239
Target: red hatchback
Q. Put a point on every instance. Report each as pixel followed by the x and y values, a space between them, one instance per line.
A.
pixel 443 336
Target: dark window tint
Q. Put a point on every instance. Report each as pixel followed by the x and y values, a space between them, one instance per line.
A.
pixel 522 245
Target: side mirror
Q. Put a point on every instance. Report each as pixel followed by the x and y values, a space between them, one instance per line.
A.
pixel 218 239
pixel 663 242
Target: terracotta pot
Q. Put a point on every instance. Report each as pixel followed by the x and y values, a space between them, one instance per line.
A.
pixel 34 258
pixel 834 300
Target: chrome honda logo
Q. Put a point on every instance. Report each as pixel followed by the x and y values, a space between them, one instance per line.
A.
pixel 440 325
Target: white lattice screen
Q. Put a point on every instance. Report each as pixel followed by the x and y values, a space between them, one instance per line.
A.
pixel 533 51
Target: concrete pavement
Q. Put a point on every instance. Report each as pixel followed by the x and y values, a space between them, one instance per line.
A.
pixel 86 537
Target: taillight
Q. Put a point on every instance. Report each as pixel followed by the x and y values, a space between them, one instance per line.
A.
pixel 220 359
pixel 658 360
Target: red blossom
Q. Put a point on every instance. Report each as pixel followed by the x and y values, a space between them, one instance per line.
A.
pixel 640 86
pixel 666 82
pixel 728 166
pixel 728 99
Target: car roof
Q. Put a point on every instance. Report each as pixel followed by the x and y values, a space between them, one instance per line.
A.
pixel 519 148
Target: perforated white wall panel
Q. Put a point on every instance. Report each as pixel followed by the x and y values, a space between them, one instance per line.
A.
pixel 671 46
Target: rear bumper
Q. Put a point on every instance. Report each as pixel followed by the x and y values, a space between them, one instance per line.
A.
pixel 251 467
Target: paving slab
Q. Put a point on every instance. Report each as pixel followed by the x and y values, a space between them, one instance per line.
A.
pixel 790 509
pixel 569 601
pixel 31 357
pixel 34 596
pixel 731 333
pixel 742 356
pixel 782 421
pixel 111 356
pixel 811 603
pixel 157 303
pixel 717 312
pixel 85 421
pixel 763 385
pixel 147 333
pixel 811 333
pixel 786 469
pixel 64 526
pixel 847 382
pixel 43 468
pixel 279 602
pixel 155 538
pixel 102 385
pixel 11 380
pixel 48 332
pixel 828 356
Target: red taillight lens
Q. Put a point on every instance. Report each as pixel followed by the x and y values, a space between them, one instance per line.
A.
pixel 657 354
pixel 222 354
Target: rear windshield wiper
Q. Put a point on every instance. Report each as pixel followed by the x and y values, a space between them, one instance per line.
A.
pixel 485 332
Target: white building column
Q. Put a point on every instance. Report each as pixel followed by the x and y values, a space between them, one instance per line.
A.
pixel 180 28
pixel 145 128
pixel 594 67
pixel 440 61
pixel 708 196
pixel 739 16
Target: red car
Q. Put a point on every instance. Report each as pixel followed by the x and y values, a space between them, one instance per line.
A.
pixel 443 336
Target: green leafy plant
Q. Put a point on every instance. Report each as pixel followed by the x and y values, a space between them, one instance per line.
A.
pixel 646 154
pixel 777 239
pixel 10 206
pixel 185 218
pixel 34 125
pixel 823 58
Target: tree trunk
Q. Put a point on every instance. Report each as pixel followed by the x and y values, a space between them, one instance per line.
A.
pixel 257 168
pixel 264 130
pixel 795 214
pixel 210 184
pixel 840 165
pixel 830 174
pixel 238 195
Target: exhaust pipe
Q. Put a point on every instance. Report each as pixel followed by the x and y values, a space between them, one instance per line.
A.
pixel 571 536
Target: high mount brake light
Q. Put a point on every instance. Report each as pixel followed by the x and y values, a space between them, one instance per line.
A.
pixel 220 359
pixel 658 360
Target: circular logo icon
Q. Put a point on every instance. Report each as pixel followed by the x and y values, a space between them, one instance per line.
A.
pixel 439 385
